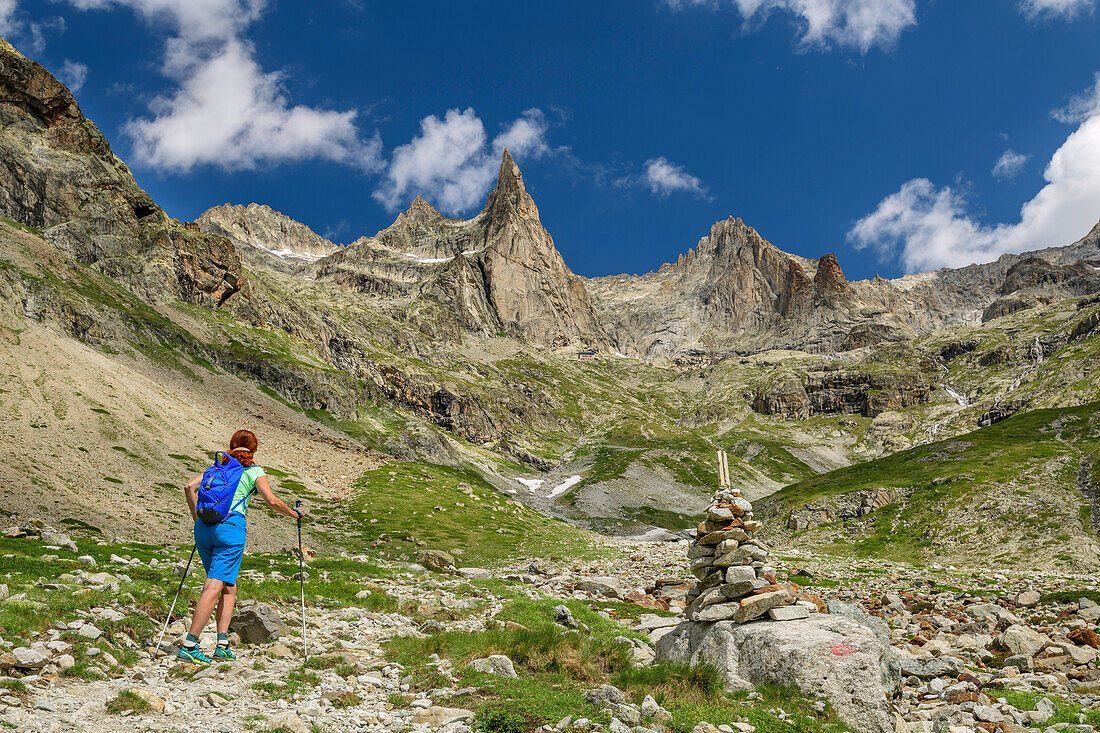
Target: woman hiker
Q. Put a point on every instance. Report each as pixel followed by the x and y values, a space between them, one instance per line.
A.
pixel 221 545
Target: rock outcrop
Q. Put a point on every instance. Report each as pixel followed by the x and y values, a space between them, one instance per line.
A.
pixel 839 391
pixel 60 176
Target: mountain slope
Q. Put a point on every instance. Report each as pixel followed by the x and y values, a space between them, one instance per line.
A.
pixel 1020 492
pixel 453 342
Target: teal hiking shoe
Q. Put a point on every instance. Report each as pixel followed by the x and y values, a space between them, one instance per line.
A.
pixel 224 654
pixel 194 656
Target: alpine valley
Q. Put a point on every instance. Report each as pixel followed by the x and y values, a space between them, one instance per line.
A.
pixel 949 417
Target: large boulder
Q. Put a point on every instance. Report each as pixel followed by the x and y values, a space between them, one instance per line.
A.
pixel 437 560
pixel 1019 639
pixel 600 586
pixel 825 656
pixel 258 623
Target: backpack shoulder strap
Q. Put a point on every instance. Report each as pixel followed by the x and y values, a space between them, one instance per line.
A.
pixel 244 498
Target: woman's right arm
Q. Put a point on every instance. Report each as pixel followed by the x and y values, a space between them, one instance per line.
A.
pixel 190 492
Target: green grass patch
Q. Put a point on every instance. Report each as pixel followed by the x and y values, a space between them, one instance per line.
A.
pixel 1070 596
pixel 451 509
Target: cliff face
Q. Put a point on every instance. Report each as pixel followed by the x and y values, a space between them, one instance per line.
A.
pixel 496 272
pixel 734 292
pixel 58 174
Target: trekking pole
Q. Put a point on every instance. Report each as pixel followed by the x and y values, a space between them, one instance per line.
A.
pixel 302 579
pixel 173 608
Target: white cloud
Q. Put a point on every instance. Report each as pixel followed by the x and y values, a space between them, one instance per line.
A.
pixel 663 178
pixel 8 24
pixel 19 31
pixel 862 24
pixel 73 74
pixel 929 227
pixel 226 110
pixel 1055 8
pixel 1009 165
pixel 453 164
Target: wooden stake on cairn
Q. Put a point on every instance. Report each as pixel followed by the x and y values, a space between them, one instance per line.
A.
pixel 723 471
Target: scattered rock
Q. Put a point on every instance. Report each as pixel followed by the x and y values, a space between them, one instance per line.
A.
pixel 600 586
pixel 497 664
pixel 257 624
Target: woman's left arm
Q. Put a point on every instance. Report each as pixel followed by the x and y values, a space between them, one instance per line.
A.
pixel 190 492
pixel 276 504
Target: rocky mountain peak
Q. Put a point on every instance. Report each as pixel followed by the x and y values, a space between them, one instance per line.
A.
pixel 829 278
pixel 420 211
pixel 510 195
pixel 258 226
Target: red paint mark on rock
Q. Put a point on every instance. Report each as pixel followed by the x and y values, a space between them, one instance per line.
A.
pixel 844 649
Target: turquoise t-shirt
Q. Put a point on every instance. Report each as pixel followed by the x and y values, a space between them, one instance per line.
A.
pixel 245 489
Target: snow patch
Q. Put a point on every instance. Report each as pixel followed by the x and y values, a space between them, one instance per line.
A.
pixel 428 260
pixel 289 254
pixel 564 486
pixel 530 483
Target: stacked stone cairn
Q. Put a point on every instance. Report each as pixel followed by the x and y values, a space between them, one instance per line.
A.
pixel 736 582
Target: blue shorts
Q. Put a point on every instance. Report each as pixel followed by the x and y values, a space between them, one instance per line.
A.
pixel 221 547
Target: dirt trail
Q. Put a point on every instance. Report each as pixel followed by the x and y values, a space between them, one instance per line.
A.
pixel 109 441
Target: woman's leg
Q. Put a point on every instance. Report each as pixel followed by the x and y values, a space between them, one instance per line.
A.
pixel 225 607
pixel 211 592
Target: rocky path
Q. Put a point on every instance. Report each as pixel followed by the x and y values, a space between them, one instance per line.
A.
pixel 972 649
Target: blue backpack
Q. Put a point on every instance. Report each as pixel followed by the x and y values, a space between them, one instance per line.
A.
pixel 219 483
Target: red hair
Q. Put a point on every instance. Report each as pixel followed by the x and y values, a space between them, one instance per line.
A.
pixel 243 445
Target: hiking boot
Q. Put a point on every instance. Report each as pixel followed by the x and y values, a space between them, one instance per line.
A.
pixel 224 654
pixel 194 656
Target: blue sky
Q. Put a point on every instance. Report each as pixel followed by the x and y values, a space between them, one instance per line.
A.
pixel 903 135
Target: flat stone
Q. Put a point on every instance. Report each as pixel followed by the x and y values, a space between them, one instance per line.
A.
pixel 600 586
pixel 727 534
pixel 148 696
pixel 788 613
pixel 716 612
pixel 933 667
pixel 475 574
pixel 90 632
pixel 756 606
pixel 437 717
pixel 740 572
pixel 740 588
